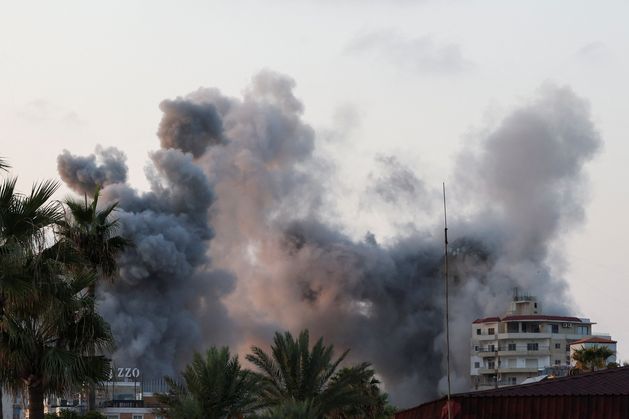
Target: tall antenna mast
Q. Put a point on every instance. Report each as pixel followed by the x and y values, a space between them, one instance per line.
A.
pixel 445 270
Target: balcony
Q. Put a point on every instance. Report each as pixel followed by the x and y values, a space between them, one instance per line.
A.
pixel 520 350
pixel 508 370
pixel 123 403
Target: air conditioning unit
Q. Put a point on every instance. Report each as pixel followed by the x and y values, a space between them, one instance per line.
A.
pixel 566 325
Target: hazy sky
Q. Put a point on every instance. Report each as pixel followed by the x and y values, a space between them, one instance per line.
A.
pixel 404 78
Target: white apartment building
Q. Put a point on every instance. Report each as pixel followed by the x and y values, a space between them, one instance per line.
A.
pixel 509 349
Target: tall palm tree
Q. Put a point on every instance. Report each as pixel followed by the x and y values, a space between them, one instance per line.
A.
pixel 592 358
pixel 215 387
pixel 25 222
pixel 295 372
pixel 92 233
pixel 47 345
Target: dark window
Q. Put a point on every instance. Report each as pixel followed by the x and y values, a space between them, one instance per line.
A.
pixel 555 328
pixel 557 345
pixel 535 305
pixel 478 331
pixel 532 346
pixel 491 348
pixel 557 361
pixel 511 347
pixel 476 364
pixel 491 365
pixel 475 348
pixel 567 348
pixel 513 327
pixel 513 381
pixel 490 331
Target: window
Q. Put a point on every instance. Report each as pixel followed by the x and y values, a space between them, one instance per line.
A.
pixel 555 328
pixel 532 346
pixel 530 363
pixel 476 364
pixel 513 381
pixel 513 327
pixel 491 365
pixel 511 347
pixel 137 417
pixel 557 345
pixel 490 331
pixel 557 361
pixel 476 348
pixel 582 330
pixel 478 331
pixel 567 348
pixel 491 348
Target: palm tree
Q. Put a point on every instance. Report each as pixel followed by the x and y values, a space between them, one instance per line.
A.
pixel 24 224
pixel 592 358
pixel 91 232
pixel 294 372
pixel 375 405
pixel 215 387
pixel 47 344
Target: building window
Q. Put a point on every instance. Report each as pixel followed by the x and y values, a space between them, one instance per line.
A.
pixel 511 347
pixel 513 327
pixel 478 331
pixel 513 381
pixel 557 345
pixel 476 364
pixel 476 348
pixel 491 348
pixel 582 330
pixel 137 417
pixel 532 346
pixel 555 328
pixel 568 348
pixel 491 365
pixel 557 361
pixel 490 331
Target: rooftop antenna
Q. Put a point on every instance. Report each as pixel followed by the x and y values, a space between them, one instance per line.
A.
pixel 445 270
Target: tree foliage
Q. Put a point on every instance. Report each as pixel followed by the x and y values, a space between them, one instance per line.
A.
pixel 214 387
pixel 592 358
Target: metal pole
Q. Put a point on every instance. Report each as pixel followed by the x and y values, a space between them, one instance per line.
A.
pixel 445 266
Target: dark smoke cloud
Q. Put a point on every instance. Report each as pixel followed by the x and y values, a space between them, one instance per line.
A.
pixel 189 127
pixel 231 245
pixel 84 174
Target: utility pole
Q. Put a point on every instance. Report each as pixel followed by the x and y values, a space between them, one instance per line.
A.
pixel 445 269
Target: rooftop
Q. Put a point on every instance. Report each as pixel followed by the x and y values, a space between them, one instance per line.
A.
pixel 530 317
pixel 594 339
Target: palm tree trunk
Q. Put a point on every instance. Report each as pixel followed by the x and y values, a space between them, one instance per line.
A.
pixel 91 392
pixel 35 402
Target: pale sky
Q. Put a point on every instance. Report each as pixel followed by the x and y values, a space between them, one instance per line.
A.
pixel 412 79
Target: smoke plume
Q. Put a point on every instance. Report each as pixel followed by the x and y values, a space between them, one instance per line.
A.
pixel 232 241
pixel 84 174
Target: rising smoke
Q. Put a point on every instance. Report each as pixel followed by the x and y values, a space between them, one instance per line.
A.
pixel 231 244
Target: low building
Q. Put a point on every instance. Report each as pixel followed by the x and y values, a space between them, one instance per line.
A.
pixel 522 343
pixel 591 342
pixel 597 395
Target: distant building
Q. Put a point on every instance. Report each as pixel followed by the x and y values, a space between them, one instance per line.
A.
pixel 523 343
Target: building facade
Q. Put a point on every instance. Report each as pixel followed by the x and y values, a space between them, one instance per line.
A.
pixel 507 350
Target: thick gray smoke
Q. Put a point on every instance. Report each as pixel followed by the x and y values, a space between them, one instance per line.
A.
pixel 84 174
pixel 232 243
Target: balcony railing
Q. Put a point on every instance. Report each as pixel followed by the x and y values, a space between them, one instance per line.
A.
pixel 517 348
pixel 123 403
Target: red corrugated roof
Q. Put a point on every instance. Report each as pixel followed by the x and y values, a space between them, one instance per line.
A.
pixel 605 382
pixel 598 395
pixel 593 340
